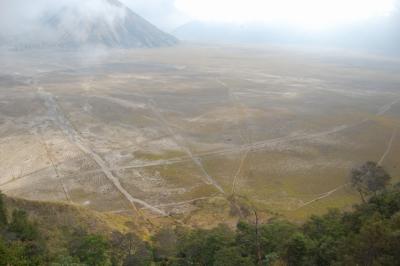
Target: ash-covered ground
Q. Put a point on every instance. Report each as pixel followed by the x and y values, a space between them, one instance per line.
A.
pixel 160 129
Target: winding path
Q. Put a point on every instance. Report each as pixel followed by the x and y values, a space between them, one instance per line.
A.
pixel 58 117
pixel 242 130
pixel 389 147
pixel 179 140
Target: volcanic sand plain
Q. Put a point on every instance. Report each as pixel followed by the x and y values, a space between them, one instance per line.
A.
pixel 171 131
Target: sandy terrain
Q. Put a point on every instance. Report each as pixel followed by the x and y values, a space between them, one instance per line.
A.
pixel 158 130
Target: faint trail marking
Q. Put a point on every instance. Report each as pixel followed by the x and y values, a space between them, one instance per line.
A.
pixel 62 122
pixel 123 103
pixel 329 193
pixel 187 201
pixel 323 195
pixel 260 145
pixel 179 140
pixel 389 147
pixel 242 129
pixel 387 107
pixel 241 110
pixel 54 166
pixel 256 146
pixel 41 170
pixel 236 177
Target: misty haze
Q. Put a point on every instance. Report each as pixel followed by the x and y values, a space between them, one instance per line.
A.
pixel 185 132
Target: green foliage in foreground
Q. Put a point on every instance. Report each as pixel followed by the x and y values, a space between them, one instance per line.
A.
pixel 369 235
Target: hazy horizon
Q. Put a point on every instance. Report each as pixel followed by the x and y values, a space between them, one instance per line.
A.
pixel 355 24
pixel 169 14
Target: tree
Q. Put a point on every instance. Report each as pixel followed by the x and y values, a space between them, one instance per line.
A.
pixel 328 233
pixel 199 247
pixel 65 260
pixel 246 239
pixel 231 256
pixel 22 227
pixel 3 213
pixel 372 236
pixel 129 249
pixel 369 246
pixel 369 178
pixel 273 238
pixel 14 254
pixel 164 244
pixel 247 207
pixel 92 250
pixel 298 250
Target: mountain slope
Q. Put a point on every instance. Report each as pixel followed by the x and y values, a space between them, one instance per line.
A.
pixel 373 35
pixel 98 22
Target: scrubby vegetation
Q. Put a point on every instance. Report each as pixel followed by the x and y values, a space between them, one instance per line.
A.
pixel 368 235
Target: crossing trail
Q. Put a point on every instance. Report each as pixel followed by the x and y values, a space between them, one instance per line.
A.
pixel 58 117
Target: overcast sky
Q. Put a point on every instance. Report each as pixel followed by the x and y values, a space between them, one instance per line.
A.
pixel 163 13
pixel 303 13
pixel 169 14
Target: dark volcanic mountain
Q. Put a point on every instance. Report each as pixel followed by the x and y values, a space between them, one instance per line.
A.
pixel 96 22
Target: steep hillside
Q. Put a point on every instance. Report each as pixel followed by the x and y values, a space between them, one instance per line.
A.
pixel 56 220
pixel 105 23
pixel 47 234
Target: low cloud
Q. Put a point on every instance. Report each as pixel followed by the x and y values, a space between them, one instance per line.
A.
pixel 19 16
pixel 163 13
